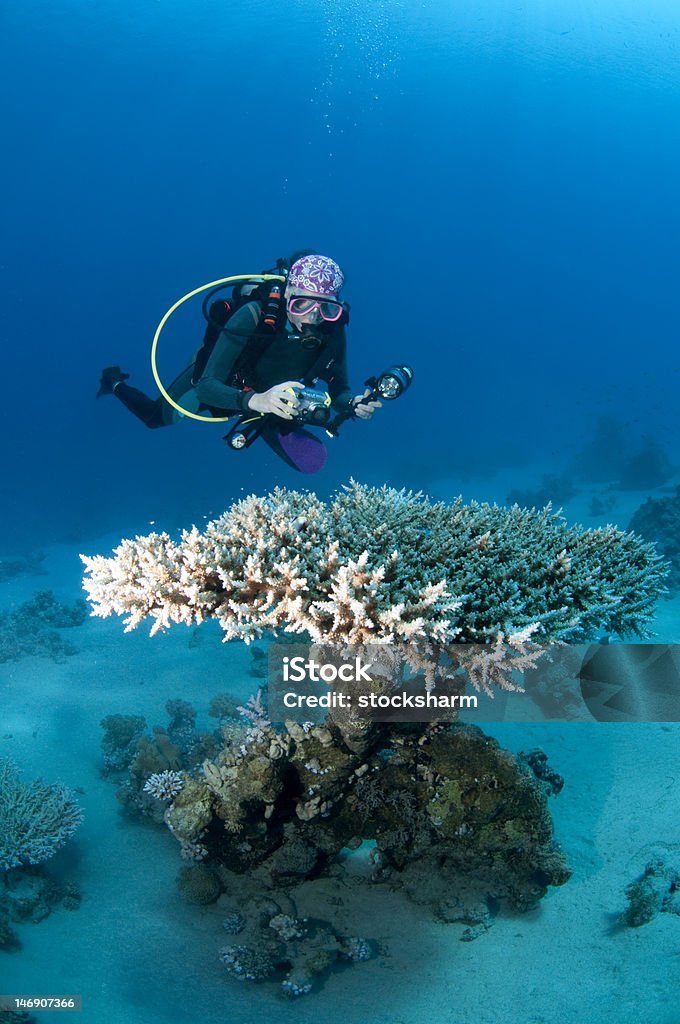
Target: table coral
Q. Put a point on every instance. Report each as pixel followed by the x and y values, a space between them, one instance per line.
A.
pixel 383 565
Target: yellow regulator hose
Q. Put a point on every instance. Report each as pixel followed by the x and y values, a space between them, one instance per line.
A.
pixel 154 346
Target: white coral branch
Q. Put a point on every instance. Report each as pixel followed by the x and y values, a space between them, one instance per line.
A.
pixel 381 566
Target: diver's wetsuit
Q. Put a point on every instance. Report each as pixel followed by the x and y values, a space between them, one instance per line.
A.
pixel 156 412
pixel 283 358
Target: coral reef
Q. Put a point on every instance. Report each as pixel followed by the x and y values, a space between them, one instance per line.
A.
pixel 444 805
pixel 152 766
pixel 456 822
pixel 658 520
pixel 385 566
pixel 276 944
pixel 223 707
pixel 122 734
pixel 603 456
pixel 32 628
pixel 35 818
pixel 44 610
pixel 646 467
pixel 602 504
pixel 29 895
pixel 181 728
pixel 613 455
pixel 656 891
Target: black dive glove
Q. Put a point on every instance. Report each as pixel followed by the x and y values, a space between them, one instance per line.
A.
pixel 111 376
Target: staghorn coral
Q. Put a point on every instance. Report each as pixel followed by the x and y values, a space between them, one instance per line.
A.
pixel 379 565
pixel 35 818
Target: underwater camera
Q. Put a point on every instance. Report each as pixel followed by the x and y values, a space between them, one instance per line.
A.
pixel 312 406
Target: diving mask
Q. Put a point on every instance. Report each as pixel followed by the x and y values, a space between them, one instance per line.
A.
pixel 303 305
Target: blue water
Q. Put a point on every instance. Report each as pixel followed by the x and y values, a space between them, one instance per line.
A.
pixel 498 180
pixel 499 183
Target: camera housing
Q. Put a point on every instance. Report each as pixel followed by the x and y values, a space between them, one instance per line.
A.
pixel 313 406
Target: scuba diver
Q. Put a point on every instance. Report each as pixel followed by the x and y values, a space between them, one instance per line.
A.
pixel 274 356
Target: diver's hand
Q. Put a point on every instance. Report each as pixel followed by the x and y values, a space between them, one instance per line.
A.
pixel 278 400
pixel 364 410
